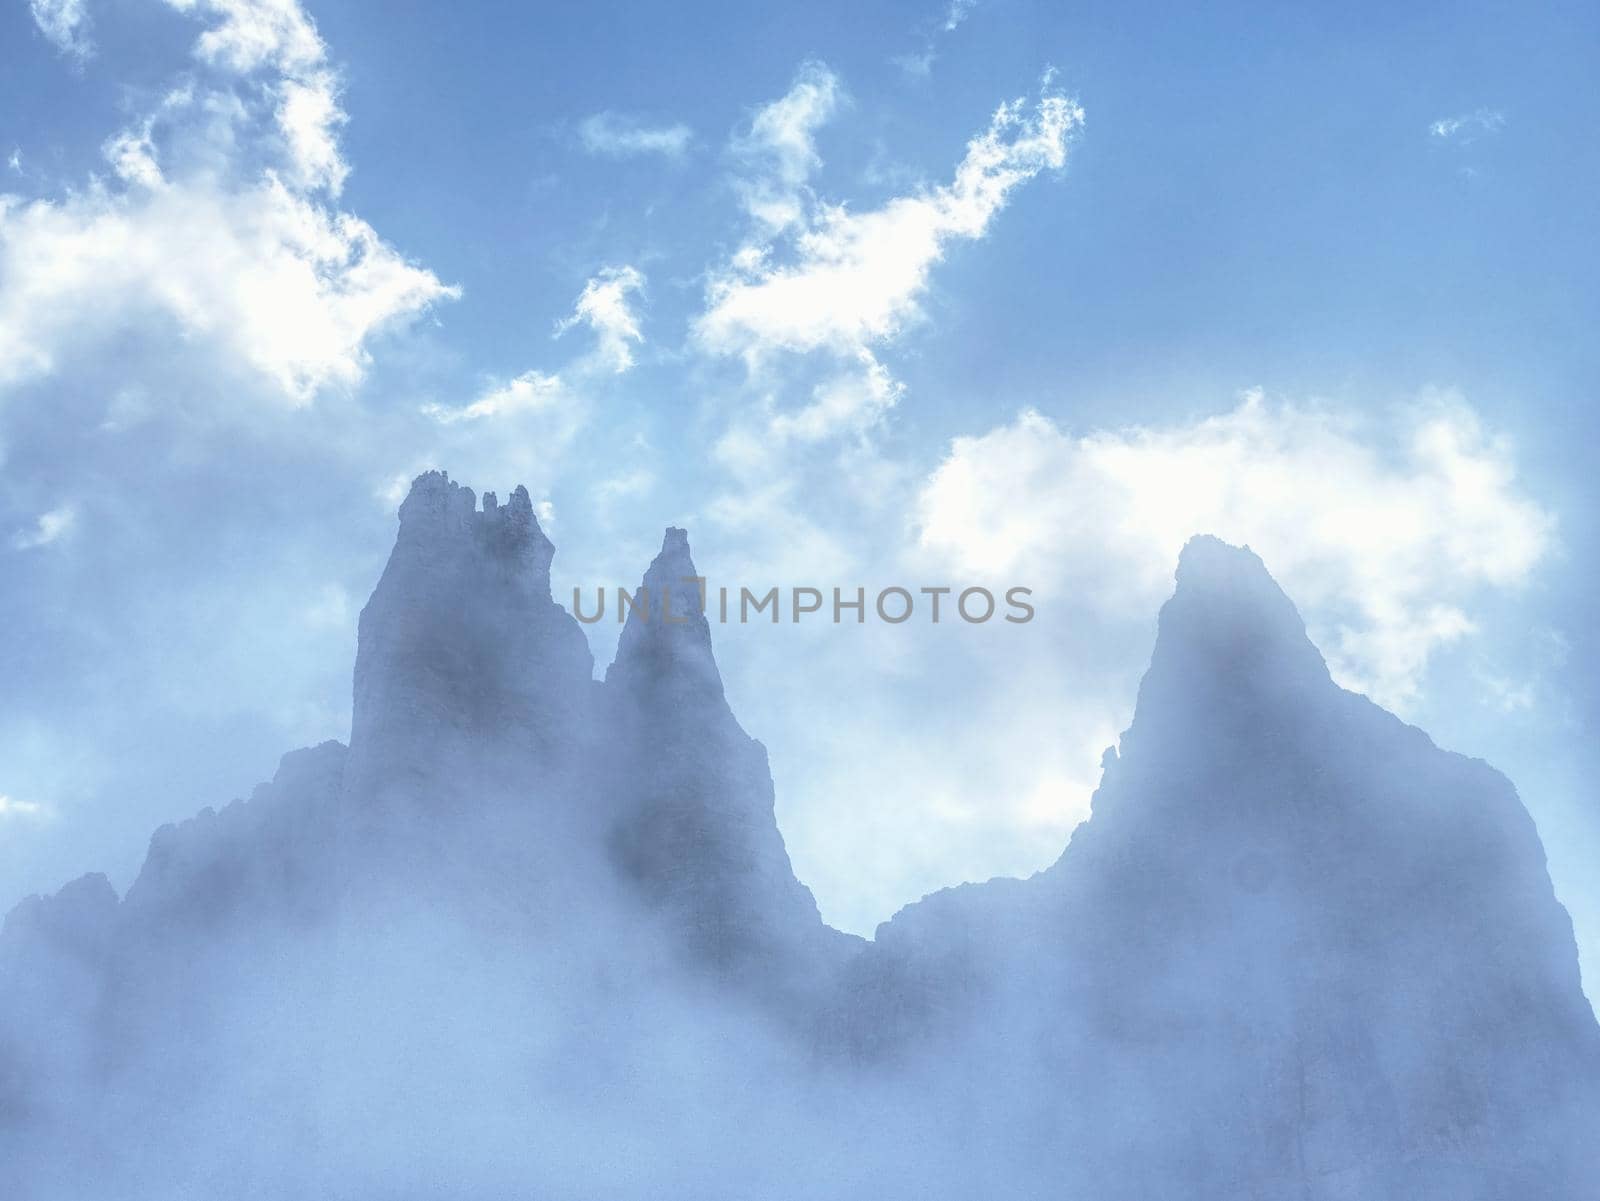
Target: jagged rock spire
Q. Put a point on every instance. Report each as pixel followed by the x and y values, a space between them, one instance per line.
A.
pixel 469 680
pixel 692 794
pixel 667 638
pixel 439 518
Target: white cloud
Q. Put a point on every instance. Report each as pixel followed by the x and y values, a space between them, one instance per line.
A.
pixel 214 225
pixel 1384 536
pixel 132 155
pixel 1468 127
pixel 291 289
pixel 10 807
pixel 278 37
pixel 781 146
pixel 530 392
pixel 613 135
pixel 251 34
pixel 51 527
pixel 309 117
pixel 822 277
pixel 603 307
pixel 65 23
pixel 851 278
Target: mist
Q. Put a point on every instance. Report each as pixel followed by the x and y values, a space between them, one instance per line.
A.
pixel 534 933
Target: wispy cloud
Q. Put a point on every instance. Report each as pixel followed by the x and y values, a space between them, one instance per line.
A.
pixel 10 808
pixel 1468 127
pixel 603 307
pixel 251 34
pixel 615 135
pixel 278 36
pixel 820 280
pixel 65 23
pixel 847 278
pixel 530 392
pixel 920 62
pixel 51 527
pixel 780 149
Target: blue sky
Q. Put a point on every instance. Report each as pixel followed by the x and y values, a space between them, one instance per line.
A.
pixel 923 295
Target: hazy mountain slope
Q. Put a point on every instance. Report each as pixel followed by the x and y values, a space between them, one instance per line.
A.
pixel 692 798
pixel 1297 949
pixel 537 933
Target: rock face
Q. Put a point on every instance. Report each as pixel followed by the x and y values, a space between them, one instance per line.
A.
pixel 1399 977
pixel 545 930
pixel 692 795
pixel 471 683
pixel 1298 950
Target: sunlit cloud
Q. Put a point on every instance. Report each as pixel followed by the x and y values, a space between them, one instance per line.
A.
pixel 847 278
pixel 215 221
pixel 822 277
pixel 1385 536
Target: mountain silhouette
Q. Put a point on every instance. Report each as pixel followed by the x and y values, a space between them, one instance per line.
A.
pixel 536 934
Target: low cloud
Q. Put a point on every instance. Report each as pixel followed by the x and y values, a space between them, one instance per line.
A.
pixel 1384 535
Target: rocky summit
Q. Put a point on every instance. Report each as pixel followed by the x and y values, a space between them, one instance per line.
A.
pixel 534 934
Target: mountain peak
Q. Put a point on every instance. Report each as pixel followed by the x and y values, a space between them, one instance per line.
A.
pixel 461 640
pixel 675 539
pixel 438 513
pixel 674 563
pixel 1211 571
pixel 1232 658
pixel 667 637
pixel 693 795
pixel 1229 622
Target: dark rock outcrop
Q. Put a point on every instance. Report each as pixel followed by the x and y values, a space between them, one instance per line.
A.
pixel 691 796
